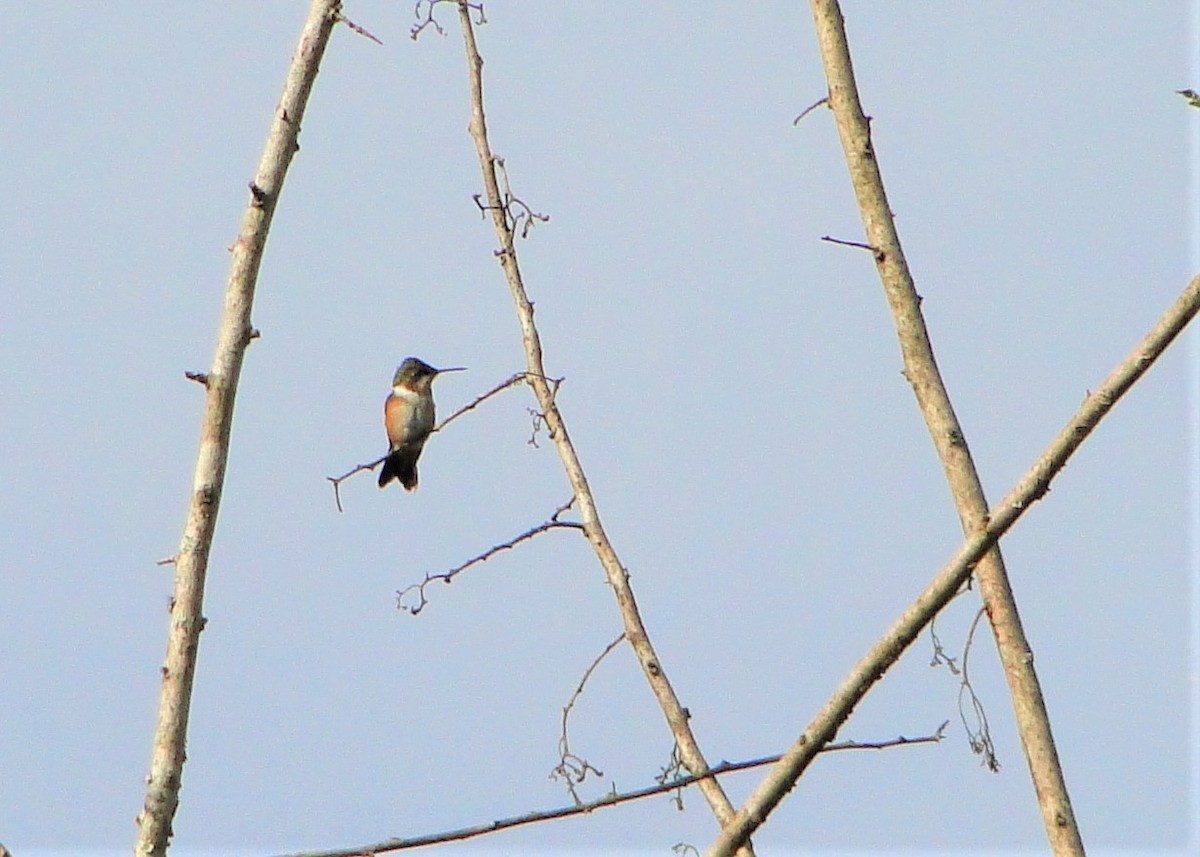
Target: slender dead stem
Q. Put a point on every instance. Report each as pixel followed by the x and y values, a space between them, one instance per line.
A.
pixel 613 798
pixel 618 578
pixel 220 383
pixel 573 769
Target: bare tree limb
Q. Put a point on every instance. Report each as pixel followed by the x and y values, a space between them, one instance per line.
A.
pixel 921 370
pixel 220 383
pixel 676 715
pixel 614 798
pixel 887 650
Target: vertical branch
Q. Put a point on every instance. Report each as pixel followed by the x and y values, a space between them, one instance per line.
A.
pixel 191 563
pixel 618 578
pixel 920 368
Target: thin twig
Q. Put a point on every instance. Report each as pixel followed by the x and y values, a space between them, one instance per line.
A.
pixel 362 31
pixel 429 21
pixel 612 799
pixel 503 385
pixel 338 480
pixel 874 250
pixel 980 735
pixel 809 109
pixel 573 769
pixel 552 523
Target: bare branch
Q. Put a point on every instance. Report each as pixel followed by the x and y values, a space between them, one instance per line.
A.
pixel 221 384
pixel 887 650
pixel 337 481
pixel 553 523
pixel 503 385
pixel 518 215
pixel 428 20
pixel 497 205
pixel 921 370
pixel 979 736
pixel 362 31
pixel 572 769
pixel 809 109
pixel 614 798
pixel 874 250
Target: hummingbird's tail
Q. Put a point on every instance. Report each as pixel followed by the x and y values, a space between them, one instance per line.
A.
pixel 400 464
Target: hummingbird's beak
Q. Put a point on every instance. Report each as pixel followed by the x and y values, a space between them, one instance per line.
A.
pixel 455 369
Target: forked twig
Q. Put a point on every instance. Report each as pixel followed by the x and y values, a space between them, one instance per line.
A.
pixel 573 769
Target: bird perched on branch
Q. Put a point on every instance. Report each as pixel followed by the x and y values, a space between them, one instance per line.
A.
pixel 409 417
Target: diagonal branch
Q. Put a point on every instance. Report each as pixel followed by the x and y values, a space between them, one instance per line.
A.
pixel 614 798
pixel 551 523
pixel 920 368
pixel 336 481
pixel 635 631
pixel 1032 487
pixel 221 383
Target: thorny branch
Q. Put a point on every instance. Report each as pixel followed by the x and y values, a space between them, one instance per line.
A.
pixel 553 523
pixel 946 433
pixel 168 753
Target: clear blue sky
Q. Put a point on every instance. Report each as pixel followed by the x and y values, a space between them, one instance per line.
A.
pixel 732 385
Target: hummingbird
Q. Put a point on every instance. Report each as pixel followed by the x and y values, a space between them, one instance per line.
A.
pixel 408 417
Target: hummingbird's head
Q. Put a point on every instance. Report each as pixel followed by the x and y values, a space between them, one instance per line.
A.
pixel 415 374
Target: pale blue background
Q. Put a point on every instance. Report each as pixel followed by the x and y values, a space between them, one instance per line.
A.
pixel 732 385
